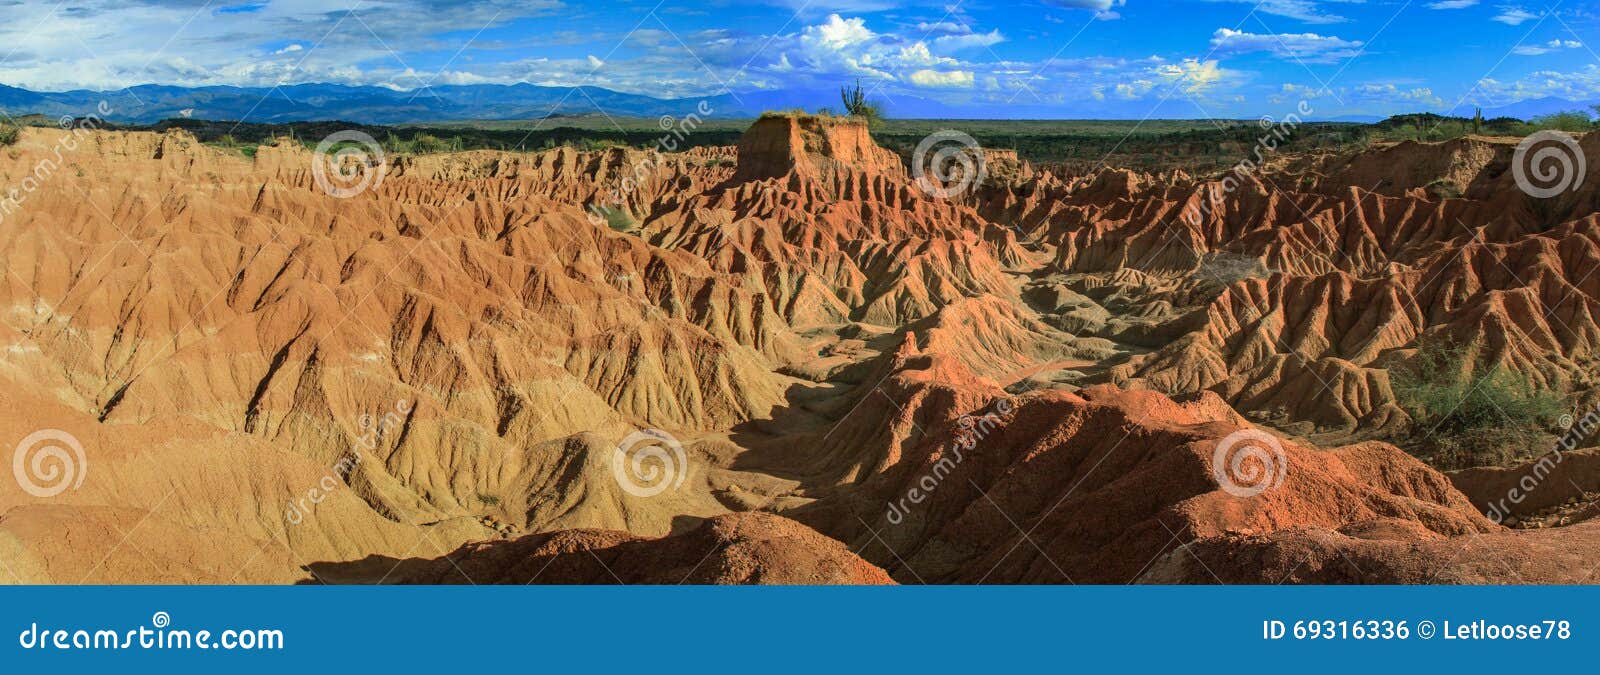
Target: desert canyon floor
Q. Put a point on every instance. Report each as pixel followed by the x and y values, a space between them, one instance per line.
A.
pixel 428 382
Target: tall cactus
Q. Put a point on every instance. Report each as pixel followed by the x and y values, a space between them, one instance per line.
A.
pixel 855 101
pixel 857 105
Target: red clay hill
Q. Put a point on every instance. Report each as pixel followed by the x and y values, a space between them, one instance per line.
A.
pixel 844 378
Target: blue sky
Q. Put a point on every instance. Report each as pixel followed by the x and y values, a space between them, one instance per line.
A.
pixel 1060 58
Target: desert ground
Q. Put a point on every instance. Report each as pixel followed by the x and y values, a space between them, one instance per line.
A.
pixel 794 360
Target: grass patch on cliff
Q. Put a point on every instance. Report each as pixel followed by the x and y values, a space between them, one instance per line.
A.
pixel 616 218
pixel 1468 413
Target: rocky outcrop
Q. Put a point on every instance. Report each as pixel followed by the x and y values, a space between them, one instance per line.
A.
pixel 442 370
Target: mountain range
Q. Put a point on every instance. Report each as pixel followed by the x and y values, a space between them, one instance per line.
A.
pixel 146 104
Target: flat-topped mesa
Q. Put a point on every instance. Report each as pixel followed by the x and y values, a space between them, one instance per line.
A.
pixel 811 146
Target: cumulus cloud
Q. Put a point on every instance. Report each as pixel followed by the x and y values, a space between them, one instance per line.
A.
pixel 1578 85
pixel 948 79
pixel 1308 11
pixel 112 44
pixel 1391 93
pixel 1193 76
pixel 1105 10
pixel 1515 16
pixel 1546 48
pixel 107 44
pixel 1308 47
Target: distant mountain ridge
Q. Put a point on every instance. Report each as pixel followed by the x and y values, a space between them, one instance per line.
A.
pixel 146 104
pixel 151 103
pixel 1536 107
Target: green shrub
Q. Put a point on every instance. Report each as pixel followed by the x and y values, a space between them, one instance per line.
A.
pixel 1444 188
pixel 1570 120
pixel 856 104
pixel 9 133
pixel 1472 414
pixel 1227 268
pixel 617 218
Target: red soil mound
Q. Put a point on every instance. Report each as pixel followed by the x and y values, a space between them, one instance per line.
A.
pixel 221 334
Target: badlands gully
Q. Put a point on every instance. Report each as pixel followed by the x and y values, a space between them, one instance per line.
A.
pixel 428 382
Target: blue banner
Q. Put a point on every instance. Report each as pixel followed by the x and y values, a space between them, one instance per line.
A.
pixel 794 629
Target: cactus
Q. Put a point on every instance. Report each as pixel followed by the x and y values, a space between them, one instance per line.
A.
pixel 857 105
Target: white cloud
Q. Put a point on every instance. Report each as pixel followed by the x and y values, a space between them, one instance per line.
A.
pixel 1390 93
pixel 1515 16
pixel 1452 4
pixel 1308 47
pixel 1103 9
pixel 1308 11
pixel 1097 5
pixel 953 43
pixel 936 79
pixel 1192 75
pixel 1580 85
pixel 839 33
pixel 113 44
pixel 1546 48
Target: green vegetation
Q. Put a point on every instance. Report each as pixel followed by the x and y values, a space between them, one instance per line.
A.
pixel 617 218
pixel 1571 120
pixel 1469 413
pixel 1197 146
pixel 1430 127
pixel 9 133
pixel 857 105
pixel 230 144
pixel 1225 268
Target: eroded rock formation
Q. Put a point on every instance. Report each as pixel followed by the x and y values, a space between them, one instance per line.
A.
pixel 273 384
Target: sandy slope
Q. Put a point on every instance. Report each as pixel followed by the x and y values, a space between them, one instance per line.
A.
pixel 271 384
